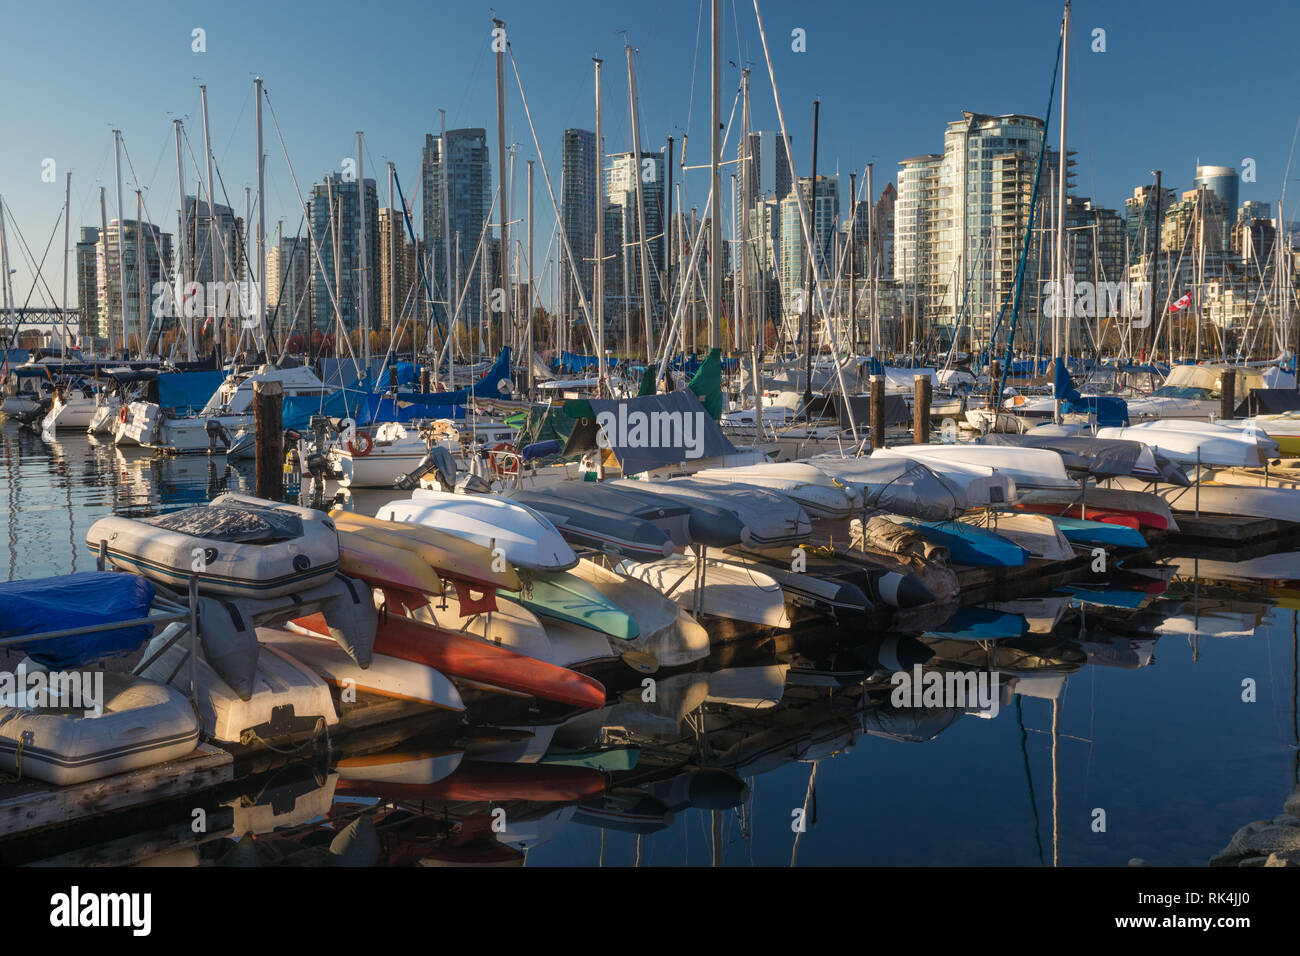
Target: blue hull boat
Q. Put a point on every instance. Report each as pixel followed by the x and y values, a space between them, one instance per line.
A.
pixel 969 544
pixel 1082 531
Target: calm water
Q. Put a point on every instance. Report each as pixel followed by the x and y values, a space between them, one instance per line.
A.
pixel 1136 712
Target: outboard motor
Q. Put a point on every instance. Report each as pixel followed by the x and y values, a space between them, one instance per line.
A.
pixel 216 432
pixel 438 459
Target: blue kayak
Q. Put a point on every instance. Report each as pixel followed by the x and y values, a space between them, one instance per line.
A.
pixel 1103 596
pixel 1082 531
pixel 969 544
pixel 981 624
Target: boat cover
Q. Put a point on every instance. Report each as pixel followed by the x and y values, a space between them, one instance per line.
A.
pixel 77 600
pixel 630 444
pixel 1268 401
pixel 234 523
pixel 187 392
pixel 1103 457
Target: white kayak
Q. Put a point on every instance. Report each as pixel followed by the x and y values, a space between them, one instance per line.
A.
pixel 141 723
pixel 1028 467
pixel 668 633
pixel 1244 501
pixel 998 486
pixel 527 539
pixel 770 518
pixel 729 591
pixel 385 677
pixel 1187 442
pixel 811 488
pixel 1037 534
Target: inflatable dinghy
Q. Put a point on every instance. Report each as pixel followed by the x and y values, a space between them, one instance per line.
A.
pixel 286 698
pixel 238 547
pixel 141 723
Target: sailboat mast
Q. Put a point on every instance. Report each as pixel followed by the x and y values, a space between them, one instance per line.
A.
pixel 715 146
pixel 217 334
pixel 183 318
pixel 504 247
pixel 362 264
pixel 121 242
pixel 67 211
pixel 598 283
pixel 1064 296
pixel 642 255
pixel 261 223
pixel 528 315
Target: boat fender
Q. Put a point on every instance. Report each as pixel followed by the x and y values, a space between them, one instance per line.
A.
pixel 229 642
pixel 361 444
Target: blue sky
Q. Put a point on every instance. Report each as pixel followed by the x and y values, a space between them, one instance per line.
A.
pixel 1179 82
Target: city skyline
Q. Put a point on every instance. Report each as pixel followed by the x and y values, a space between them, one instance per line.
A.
pixel 1108 170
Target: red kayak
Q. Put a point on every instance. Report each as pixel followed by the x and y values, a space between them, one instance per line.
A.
pixel 468 659
pixel 483 782
pixel 1129 519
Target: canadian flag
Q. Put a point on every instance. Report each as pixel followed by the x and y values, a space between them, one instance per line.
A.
pixel 1182 303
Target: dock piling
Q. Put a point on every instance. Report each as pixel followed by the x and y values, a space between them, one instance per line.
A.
pixel 921 409
pixel 877 386
pixel 268 433
pixel 1228 394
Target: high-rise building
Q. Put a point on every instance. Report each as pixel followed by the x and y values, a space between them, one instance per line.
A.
pixel 1140 217
pixel 147 257
pixel 621 191
pixel 399 280
pixel 214 244
pixel 88 281
pixel 468 172
pixel 336 226
pixel 962 219
pixel 824 224
pixel 1220 180
pixel 288 284
pixel 580 165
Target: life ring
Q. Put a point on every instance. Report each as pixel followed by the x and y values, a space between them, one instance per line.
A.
pixel 503 464
pixel 362 445
pixel 123 415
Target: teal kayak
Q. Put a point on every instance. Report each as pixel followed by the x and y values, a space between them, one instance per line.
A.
pixel 969 544
pixel 567 597
pixel 609 760
pixel 1082 531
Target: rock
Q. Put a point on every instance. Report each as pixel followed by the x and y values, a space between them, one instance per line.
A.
pixel 1289 858
pixel 1258 840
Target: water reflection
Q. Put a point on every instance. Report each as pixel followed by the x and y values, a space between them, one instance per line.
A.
pixel 1121 693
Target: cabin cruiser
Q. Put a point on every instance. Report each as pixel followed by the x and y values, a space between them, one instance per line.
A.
pixel 229 409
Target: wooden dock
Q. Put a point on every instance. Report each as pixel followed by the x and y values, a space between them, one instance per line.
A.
pixel 30 805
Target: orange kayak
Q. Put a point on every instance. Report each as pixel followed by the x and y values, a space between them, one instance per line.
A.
pixel 470 660
pixel 481 781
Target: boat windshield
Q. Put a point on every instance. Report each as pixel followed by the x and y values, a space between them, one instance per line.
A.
pixel 1187 392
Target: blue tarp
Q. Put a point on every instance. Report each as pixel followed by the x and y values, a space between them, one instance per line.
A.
pixel 187 392
pixel 77 600
pixel 1110 412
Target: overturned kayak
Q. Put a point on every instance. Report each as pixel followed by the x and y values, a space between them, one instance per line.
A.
pixel 453 556
pixel 1104 533
pixel 667 632
pixel 141 723
pixel 241 547
pixel 968 544
pixel 811 488
pixel 526 538
pixel 729 591
pixel 567 597
pixel 1035 533
pixel 769 518
pixel 829 596
pixel 385 677
pixel 481 664
pixel 685 522
pixel 590 526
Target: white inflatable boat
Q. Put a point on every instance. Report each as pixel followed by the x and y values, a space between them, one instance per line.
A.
pixel 240 547
pixel 141 723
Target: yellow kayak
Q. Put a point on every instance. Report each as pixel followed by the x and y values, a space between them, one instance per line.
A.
pixel 380 564
pixel 450 555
